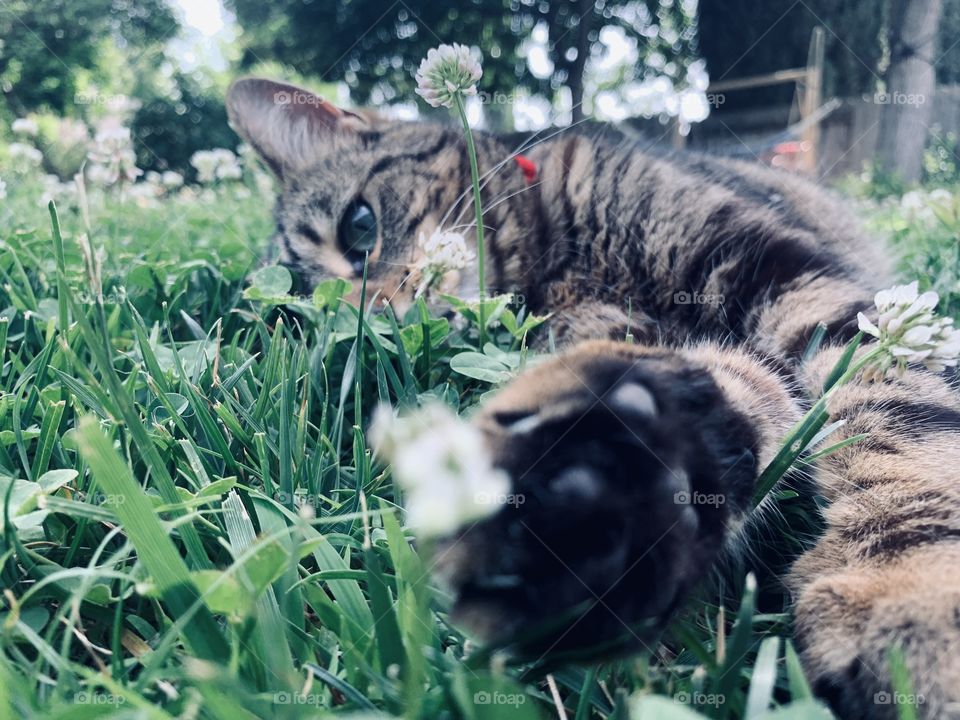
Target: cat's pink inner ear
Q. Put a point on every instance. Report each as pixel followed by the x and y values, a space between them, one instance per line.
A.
pixel 285 124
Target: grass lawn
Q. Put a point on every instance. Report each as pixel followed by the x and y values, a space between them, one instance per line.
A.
pixel 194 527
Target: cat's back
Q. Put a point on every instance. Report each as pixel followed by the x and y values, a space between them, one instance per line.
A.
pixel 625 205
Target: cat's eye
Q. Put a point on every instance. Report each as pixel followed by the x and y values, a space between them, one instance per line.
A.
pixel 357 235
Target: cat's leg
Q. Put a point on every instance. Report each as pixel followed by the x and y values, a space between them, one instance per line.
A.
pixel 584 320
pixel 631 466
pixel 886 572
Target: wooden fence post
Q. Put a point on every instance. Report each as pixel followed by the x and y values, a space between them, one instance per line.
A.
pixel 812 97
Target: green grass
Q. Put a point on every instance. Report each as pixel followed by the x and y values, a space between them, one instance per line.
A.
pixel 157 452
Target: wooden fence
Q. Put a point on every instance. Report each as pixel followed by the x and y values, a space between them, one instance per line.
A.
pixel 847 137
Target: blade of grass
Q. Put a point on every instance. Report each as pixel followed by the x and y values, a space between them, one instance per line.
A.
pixel 763 679
pixel 271 637
pixel 154 547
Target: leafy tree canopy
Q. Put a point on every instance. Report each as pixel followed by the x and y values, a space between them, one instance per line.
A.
pixel 376 45
pixel 50 48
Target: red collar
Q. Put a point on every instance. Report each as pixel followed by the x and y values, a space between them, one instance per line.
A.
pixel 528 168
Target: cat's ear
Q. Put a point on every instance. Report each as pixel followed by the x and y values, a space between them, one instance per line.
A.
pixel 285 124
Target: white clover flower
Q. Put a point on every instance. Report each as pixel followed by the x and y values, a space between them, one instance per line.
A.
pixel 910 331
pixel 443 251
pixel 915 206
pixel 227 164
pixel 246 151
pixel 72 132
pixel 145 193
pixel 941 196
pixel 99 175
pixel 447 70
pixel 911 201
pixel 443 467
pixel 205 163
pixel 22 151
pixel 171 180
pixel 113 157
pixel 229 172
pixel 218 164
pixel 264 183
pixel 61 193
pixel 25 126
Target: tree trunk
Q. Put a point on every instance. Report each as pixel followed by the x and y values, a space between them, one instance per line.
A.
pixel 911 81
pixel 575 82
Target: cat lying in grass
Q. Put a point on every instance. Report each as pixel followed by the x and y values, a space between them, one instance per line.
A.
pixel 638 462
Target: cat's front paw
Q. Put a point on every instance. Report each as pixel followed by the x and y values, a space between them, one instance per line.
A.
pixel 627 466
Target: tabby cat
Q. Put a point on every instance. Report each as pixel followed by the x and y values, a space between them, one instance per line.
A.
pixel 721 271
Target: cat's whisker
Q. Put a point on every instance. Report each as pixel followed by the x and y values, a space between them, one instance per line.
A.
pixel 488 175
pixel 500 200
pixel 400 286
pixel 497 201
pixel 467 226
pixel 528 143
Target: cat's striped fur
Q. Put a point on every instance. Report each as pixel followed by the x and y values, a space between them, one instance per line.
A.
pixel 726 269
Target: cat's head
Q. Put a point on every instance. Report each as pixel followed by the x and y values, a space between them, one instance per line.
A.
pixel 354 186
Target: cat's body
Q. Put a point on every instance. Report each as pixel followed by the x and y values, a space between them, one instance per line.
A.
pixel 722 271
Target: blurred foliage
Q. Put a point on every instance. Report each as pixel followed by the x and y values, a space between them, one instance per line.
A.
pixel 375 46
pixel 52 49
pixel 921 224
pixel 941 165
pixel 874 183
pixel 941 169
pixel 63 142
pixel 69 63
pixel 178 117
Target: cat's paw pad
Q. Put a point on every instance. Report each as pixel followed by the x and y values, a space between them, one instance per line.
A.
pixel 609 452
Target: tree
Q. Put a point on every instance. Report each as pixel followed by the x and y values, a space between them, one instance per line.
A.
pixel 47 47
pixel 375 45
pixel 948 46
pixel 664 29
pixel 177 117
pixel 910 82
